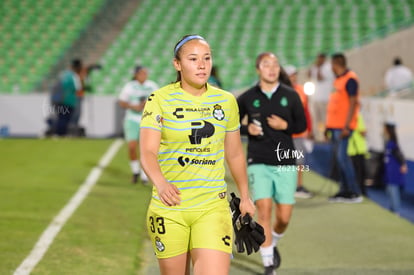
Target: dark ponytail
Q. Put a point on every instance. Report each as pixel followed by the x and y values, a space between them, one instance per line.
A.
pixel 390 128
pixel 284 77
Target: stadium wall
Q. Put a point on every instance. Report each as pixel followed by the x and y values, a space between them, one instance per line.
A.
pixel 371 61
pixel 25 115
pixel 376 111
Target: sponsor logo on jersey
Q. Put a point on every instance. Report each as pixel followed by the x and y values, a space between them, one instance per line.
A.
pixel 150 97
pixel 146 113
pixel 198 150
pixel 198 133
pixel 222 195
pixel 204 111
pixel 158 118
pixel 183 161
pixel 177 113
pixel 197 109
pixel 226 240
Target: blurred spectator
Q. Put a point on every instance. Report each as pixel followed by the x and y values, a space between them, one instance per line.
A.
pixel 358 150
pixel 395 167
pixel 300 139
pixel 322 76
pixel 341 120
pixel 64 96
pixel 398 76
pixel 214 78
pixel 132 98
pixel 74 127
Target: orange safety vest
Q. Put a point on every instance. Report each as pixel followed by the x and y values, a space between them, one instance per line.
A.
pixel 304 99
pixel 338 105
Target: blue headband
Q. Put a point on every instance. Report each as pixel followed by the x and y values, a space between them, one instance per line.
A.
pixel 185 40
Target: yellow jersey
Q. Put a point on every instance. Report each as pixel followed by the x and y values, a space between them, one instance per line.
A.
pixel 191 153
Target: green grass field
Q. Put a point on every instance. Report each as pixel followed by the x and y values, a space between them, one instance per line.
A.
pixel 106 234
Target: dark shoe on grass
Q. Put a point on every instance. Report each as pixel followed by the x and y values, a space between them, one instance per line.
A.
pixel 276 257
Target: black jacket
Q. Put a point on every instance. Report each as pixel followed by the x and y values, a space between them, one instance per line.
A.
pixel 275 147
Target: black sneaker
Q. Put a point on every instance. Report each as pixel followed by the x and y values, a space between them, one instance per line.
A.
pixel 276 257
pixel 339 197
pixel 134 179
pixel 353 198
pixel 303 193
pixel 269 270
pixel 346 198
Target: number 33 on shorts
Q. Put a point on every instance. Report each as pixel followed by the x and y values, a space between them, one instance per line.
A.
pixel 156 228
pixel 156 225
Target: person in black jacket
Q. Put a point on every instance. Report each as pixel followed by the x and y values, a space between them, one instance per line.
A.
pixel 274 112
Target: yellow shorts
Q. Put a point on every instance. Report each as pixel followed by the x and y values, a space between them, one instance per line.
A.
pixel 173 232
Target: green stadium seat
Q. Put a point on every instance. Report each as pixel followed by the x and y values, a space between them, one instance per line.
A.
pixel 33 32
pixel 237 32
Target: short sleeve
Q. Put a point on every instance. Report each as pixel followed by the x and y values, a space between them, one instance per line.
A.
pixel 77 81
pixel 125 92
pixel 152 115
pixel 234 118
pixel 154 86
pixel 328 74
pixel 352 87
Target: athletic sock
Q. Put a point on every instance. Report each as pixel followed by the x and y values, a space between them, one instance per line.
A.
pixel 267 255
pixel 134 166
pixel 144 176
pixel 276 238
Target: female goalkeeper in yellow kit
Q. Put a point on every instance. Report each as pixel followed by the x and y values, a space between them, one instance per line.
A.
pixel 188 130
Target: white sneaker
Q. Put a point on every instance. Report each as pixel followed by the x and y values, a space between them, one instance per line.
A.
pixel 144 177
pixel 302 192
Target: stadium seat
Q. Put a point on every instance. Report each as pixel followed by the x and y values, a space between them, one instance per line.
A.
pixel 38 30
pixel 236 30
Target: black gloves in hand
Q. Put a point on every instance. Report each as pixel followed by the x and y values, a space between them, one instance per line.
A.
pixel 249 234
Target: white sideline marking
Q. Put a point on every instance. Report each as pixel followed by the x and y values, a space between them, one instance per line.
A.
pixel 56 225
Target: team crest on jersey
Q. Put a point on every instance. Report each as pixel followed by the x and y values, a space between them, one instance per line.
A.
pixel 284 102
pixel 218 112
pixel 160 246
